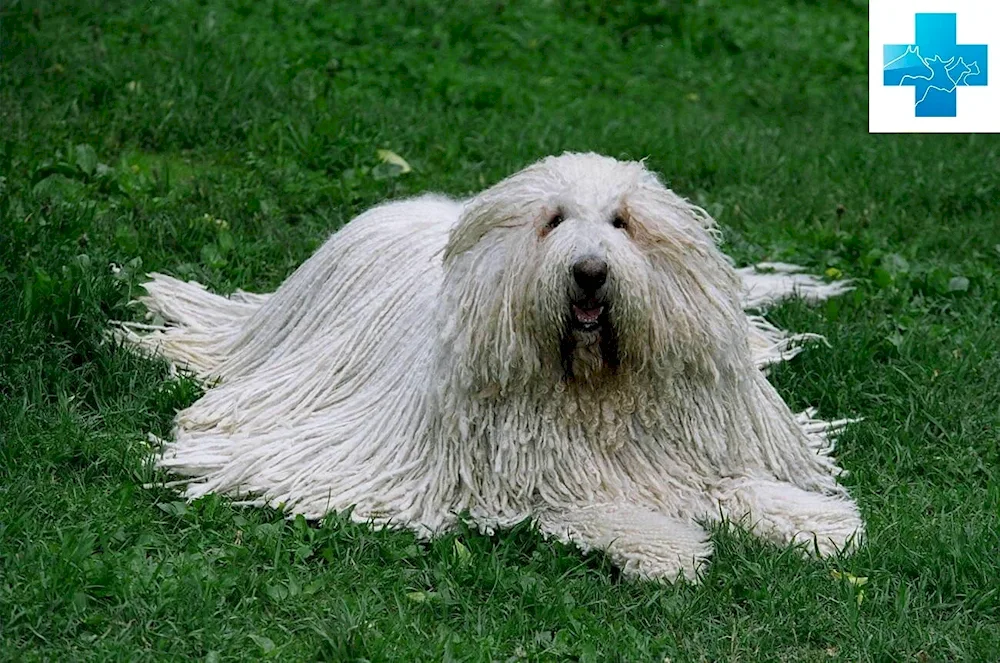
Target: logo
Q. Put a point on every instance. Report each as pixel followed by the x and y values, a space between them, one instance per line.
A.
pixel 929 66
pixel 935 65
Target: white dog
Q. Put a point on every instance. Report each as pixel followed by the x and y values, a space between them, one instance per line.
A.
pixel 569 346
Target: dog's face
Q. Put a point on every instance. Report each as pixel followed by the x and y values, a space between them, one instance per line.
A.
pixel 590 266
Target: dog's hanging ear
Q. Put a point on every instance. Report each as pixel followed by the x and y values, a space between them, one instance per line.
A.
pixel 507 204
pixel 479 216
pixel 501 205
pixel 663 222
pixel 696 291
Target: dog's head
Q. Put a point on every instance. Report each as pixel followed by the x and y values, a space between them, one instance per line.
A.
pixel 581 266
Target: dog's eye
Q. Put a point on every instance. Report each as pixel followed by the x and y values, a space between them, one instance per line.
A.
pixel 619 222
pixel 554 221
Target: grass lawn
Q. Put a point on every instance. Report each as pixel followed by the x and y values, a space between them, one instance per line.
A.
pixel 224 141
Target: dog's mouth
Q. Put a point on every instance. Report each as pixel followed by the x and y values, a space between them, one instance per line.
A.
pixel 585 316
pixel 589 325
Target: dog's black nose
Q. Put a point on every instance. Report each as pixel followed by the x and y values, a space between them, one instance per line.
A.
pixel 590 274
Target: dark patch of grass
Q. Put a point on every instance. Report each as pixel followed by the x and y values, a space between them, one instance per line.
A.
pixel 223 141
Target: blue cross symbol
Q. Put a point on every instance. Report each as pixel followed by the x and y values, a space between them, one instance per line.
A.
pixel 936 65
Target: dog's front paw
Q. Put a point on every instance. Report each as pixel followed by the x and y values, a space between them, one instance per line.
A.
pixel 664 561
pixel 837 528
pixel 783 513
pixel 643 543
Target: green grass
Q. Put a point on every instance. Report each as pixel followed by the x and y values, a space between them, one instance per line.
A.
pixel 128 131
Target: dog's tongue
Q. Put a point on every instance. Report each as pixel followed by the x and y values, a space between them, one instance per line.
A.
pixel 587 315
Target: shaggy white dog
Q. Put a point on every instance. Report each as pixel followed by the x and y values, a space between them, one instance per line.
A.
pixel 569 346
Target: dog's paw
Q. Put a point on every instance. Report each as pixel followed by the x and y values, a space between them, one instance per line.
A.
pixel 655 547
pixel 836 529
pixel 785 514
pixel 664 561
pixel 643 543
